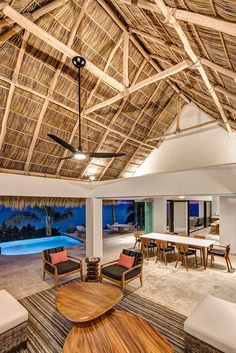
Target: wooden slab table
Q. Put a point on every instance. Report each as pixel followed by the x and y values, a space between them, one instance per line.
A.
pixel 116 332
pixel 202 244
pixel 85 301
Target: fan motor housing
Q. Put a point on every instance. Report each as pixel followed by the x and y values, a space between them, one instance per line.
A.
pixel 78 61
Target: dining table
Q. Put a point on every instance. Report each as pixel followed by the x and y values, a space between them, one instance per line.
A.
pixel 201 244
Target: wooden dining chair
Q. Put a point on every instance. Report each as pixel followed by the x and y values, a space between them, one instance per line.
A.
pixel 199 236
pixel 169 233
pixel 164 248
pixel 147 244
pixel 137 236
pixel 185 252
pixel 221 251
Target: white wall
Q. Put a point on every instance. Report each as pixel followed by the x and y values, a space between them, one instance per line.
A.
pixel 181 217
pixel 228 222
pixel 21 185
pixel 209 146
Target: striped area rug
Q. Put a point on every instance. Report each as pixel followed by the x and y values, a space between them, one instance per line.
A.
pixel 48 330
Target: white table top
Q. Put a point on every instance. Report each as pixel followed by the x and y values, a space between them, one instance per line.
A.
pixel 205 243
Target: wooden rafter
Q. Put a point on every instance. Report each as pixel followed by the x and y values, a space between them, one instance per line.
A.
pixel 187 16
pixel 157 77
pixel 89 99
pixel 55 43
pixel 53 83
pixel 57 102
pixel 33 16
pixel 116 115
pixel 138 46
pixel 152 126
pixel 12 87
pixel 197 78
pixel 126 61
pixel 207 62
pixel 131 130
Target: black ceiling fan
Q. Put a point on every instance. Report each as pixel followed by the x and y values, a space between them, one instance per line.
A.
pixel 77 152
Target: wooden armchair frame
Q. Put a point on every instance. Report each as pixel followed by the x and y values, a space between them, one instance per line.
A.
pixel 56 275
pixel 123 281
pixel 226 250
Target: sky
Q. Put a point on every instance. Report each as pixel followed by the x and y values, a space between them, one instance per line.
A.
pixel 121 213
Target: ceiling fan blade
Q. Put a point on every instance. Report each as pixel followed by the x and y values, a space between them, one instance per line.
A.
pixel 62 143
pixel 105 154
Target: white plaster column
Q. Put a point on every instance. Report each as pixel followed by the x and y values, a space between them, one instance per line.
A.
pixel 94 242
pixel 215 208
pixel 181 217
pixel 159 215
pixel 228 222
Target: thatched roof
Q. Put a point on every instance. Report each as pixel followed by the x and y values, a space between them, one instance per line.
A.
pixel 38 83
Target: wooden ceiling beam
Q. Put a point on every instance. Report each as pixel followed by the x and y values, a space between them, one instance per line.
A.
pixel 60 104
pixel 135 42
pixel 171 20
pixel 152 126
pixel 53 84
pixel 33 16
pixel 116 115
pixel 157 77
pixel 187 16
pixel 228 72
pixel 131 130
pixel 56 44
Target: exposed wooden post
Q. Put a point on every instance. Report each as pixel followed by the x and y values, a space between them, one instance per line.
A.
pixel 89 99
pixel 12 87
pixel 34 16
pixel 157 77
pixel 126 61
pixel 188 16
pixel 53 84
pixel 55 43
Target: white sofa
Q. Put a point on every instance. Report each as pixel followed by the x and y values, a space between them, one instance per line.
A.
pixel 13 323
pixel 211 327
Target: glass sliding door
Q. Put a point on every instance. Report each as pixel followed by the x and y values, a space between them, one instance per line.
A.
pixel 148 217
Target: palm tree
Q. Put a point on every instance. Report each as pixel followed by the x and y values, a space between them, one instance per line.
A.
pixel 19 217
pixel 53 216
pixel 50 213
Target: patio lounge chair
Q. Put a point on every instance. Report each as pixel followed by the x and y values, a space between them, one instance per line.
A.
pixel 120 275
pixel 72 265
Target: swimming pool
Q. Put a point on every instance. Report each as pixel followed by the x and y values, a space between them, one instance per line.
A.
pixel 33 246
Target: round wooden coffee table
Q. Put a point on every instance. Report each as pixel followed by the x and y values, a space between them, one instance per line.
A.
pixel 85 301
pixel 116 331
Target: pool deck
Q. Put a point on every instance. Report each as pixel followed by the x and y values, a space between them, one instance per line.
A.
pixel 174 288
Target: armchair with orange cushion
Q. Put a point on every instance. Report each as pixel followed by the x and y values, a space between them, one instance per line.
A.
pixel 57 264
pixel 128 267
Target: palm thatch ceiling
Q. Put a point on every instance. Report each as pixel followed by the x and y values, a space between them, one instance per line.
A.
pixel 125 42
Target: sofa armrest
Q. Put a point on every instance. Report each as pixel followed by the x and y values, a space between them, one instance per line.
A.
pixel 130 270
pixel 50 264
pixel 109 263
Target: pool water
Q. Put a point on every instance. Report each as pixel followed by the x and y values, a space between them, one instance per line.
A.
pixel 33 246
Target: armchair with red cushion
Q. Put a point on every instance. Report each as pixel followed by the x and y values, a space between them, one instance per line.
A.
pixel 57 264
pixel 128 267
